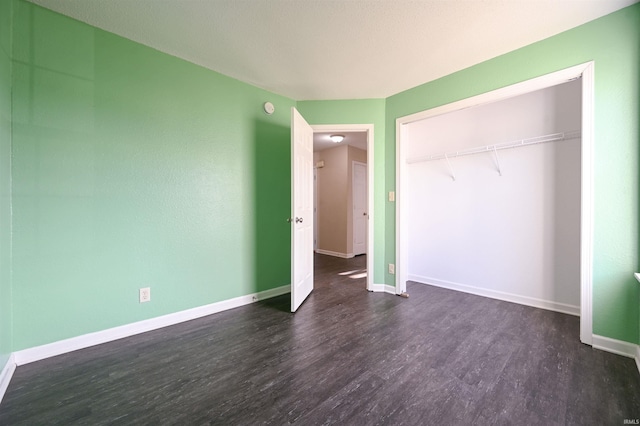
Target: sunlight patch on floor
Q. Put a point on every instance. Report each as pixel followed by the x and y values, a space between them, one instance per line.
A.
pixel 355 274
pixel 349 272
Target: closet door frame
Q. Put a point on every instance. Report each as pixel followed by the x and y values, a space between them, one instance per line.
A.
pixel 586 73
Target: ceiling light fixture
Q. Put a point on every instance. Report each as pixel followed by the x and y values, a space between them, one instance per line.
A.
pixel 337 138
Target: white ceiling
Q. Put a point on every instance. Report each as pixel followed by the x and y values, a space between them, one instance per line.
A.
pixel 322 141
pixel 335 49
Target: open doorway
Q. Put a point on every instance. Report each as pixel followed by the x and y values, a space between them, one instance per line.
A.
pixel 342 199
pixel 303 264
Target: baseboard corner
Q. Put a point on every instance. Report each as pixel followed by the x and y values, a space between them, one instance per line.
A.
pixel 273 292
pixel 618 347
pixel 383 288
pixel 6 375
pixel 377 288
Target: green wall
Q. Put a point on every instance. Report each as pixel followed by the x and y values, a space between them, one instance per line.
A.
pixel 613 42
pixel 133 168
pixel 362 111
pixel 5 182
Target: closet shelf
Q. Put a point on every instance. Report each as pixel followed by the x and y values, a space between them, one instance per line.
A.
pixel 554 137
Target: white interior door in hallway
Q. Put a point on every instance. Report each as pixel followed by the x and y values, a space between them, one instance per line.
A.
pixel 360 214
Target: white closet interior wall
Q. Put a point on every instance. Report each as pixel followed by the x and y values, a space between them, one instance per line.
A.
pixel 516 236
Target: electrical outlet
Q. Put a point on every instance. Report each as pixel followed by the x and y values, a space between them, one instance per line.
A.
pixel 392 268
pixel 145 294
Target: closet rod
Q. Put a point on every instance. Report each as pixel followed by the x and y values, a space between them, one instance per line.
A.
pixel 488 148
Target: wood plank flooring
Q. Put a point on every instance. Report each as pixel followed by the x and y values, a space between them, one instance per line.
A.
pixel 347 357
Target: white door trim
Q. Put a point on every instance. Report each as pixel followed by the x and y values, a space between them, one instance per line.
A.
pixel 368 128
pixel 586 71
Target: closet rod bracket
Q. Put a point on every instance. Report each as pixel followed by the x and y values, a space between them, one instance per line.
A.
pixel 495 153
pixel 453 174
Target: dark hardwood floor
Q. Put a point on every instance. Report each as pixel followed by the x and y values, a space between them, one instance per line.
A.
pixel 347 357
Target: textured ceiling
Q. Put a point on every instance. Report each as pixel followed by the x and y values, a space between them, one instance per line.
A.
pixel 335 49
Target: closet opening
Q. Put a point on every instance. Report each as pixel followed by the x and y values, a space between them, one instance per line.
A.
pixel 494 195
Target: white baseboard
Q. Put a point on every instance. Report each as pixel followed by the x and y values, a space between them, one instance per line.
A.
pixel 500 295
pixel 6 375
pixel 37 353
pixel 618 347
pixel 57 348
pixel 335 253
pixel 378 288
pixel 383 288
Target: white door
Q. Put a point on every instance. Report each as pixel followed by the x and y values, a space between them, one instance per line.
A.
pixel 359 195
pixel 301 209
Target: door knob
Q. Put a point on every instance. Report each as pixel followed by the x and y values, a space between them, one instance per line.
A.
pixel 298 220
pixel 364 214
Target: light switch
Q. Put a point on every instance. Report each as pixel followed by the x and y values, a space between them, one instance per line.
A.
pixel 392 195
